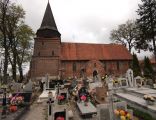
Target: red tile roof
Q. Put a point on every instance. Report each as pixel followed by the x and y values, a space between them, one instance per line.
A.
pixel 84 51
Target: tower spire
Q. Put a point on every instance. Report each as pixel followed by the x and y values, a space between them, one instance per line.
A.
pixel 48 26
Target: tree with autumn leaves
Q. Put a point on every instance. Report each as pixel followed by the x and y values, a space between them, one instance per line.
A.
pixel 15 39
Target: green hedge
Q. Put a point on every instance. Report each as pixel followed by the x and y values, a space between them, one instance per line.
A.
pixel 140 114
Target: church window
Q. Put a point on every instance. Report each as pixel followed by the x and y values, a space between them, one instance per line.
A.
pixel 74 66
pixel 52 53
pixel 105 66
pixel 38 53
pixel 94 64
pixel 42 43
pixel 118 65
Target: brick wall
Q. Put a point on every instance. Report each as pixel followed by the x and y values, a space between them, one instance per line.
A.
pixel 103 67
pixel 45 57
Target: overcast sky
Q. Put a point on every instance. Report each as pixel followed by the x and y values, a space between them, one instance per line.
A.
pixel 82 20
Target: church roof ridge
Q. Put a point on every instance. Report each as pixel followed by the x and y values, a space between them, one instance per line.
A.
pixel 92 43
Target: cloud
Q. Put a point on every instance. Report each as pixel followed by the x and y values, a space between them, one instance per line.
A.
pixel 82 20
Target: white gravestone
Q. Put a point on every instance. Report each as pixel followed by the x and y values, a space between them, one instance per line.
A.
pixel 123 82
pixel 130 78
pixel 139 81
pixel 104 112
pixel 110 83
pixel 28 87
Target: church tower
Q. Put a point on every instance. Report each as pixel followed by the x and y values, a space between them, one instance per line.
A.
pixel 47 45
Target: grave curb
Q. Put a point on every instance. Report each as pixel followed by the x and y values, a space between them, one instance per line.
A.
pixel 21 113
pixel 17 117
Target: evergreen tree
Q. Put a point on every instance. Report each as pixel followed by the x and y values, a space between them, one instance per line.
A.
pixel 148 70
pixel 136 66
pixel 147 26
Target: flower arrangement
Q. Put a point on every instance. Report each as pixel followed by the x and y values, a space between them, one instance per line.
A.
pixel 60 118
pixel 83 98
pixel 60 97
pixel 149 98
pixel 17 100
pixel 122 114
pixel 13 108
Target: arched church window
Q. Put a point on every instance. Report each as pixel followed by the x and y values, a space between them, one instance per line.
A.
pixel 105 66
pixel 42 43
pixel 52 53
pixel 38 53
pixel 118 65
pixel 74 66
pixel 94 64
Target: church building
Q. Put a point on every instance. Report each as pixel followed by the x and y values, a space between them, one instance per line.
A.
pixel 56 58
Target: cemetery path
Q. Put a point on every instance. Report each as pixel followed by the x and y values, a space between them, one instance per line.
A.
pixel 36 112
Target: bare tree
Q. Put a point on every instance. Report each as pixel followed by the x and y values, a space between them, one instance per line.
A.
pixel 125 34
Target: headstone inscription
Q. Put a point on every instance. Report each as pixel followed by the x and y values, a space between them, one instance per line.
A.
pixel 103 111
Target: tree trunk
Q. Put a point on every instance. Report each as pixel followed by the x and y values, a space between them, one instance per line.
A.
pixel 6 55
pixel 14 71
pixel 14 64
pixel 129 47
pixel 19 62
pixel 3 9
pixel 20 72
pixel 5 66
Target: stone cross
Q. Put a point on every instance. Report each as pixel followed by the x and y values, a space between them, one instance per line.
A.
pixel 49 102
pixel 58 88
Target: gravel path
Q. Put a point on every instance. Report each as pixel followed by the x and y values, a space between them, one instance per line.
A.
pixel 36 112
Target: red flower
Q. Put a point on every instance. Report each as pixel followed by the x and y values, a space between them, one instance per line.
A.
pixel 83 97
pixel 60 97
pixel 13 108
pixel 60 118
